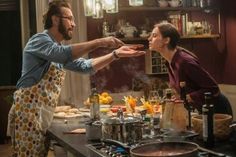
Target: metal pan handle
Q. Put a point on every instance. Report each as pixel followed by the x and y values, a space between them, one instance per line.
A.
pixel 116 143
pixel 211 152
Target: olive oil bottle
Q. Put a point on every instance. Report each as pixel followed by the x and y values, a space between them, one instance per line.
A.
pixel 208 121
pixel 94 104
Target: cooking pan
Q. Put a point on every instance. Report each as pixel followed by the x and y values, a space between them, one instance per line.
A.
pixel 164 149
pixel 160 149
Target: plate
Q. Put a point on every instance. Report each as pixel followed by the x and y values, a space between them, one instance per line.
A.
pixel 105 106
pixel 84 109
pixel 55 115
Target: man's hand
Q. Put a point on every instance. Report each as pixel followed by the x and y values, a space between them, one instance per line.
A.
pixel 110 42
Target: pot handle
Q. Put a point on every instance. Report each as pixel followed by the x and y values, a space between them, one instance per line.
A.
pixel 232 125
pixel 97 123
pixel 117 143
pixel 211 152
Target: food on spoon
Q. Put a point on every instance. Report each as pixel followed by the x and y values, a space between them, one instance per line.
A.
pixel 136 46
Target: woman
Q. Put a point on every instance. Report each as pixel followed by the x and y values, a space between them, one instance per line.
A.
pixel 183 66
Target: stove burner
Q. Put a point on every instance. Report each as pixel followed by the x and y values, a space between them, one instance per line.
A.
pixel 106 150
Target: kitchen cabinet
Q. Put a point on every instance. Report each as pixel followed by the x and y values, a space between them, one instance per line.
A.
pixel 155 63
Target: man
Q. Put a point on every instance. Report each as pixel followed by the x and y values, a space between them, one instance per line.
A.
pixel 44 59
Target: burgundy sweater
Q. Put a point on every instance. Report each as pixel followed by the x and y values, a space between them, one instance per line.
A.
pixel 185 67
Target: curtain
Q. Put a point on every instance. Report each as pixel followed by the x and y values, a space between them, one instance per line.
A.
pixel 24 16
pixel 76 86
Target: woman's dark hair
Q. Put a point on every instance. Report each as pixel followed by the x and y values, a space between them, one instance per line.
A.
pixel 168 30
pixel 54 9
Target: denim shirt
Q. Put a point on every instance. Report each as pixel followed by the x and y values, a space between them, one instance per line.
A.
pixel 42 50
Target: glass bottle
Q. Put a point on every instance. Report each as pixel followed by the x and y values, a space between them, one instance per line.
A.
pixel 147 126
pixel 105 28
pixel 156 123
pixel 208 121
pixel 94 104
pixel 168 111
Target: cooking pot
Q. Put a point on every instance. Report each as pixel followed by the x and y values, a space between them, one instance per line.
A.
pixel 93 127
pixel 125 130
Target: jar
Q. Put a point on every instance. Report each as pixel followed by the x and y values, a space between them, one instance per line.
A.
pixel 179 116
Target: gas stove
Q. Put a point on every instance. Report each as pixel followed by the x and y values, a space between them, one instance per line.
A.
pixel 110 150
pixel 106 150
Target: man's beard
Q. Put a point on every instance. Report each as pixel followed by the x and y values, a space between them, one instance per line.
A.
pixel 63 31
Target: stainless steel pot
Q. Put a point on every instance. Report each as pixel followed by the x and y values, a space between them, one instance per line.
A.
pixel 127 131
pixel 123 129
pixel 93 130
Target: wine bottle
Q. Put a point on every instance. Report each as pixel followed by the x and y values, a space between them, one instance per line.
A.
pixel 208 121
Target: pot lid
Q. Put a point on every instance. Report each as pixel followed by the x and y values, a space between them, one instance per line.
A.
pixel 117 120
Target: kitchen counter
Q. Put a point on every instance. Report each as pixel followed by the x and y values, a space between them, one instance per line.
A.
pixel 73 143
pixel 76 143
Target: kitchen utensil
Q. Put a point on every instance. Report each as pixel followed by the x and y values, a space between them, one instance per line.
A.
pixel 93 130
pixel 126 129
pixel 175 3
pixel 211 152
pixel 163 149
pixel 166 149
pixel 162 3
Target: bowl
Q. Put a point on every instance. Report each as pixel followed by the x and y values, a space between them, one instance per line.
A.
pixel 222 123
pixel 162 3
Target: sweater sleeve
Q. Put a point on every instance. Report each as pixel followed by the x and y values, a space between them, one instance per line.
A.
pixel 201 80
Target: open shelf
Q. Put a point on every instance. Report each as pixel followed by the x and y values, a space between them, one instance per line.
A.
pixel 203 36
pixel 147 8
